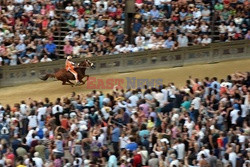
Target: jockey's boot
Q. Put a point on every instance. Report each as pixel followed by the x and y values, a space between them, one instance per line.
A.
pixel 78 83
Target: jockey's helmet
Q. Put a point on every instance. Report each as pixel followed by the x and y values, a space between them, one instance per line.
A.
pixel 69 57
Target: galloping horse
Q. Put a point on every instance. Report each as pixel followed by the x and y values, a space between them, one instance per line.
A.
pixel 66 76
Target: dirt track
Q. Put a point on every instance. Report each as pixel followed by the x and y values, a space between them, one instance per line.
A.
pixel 54 89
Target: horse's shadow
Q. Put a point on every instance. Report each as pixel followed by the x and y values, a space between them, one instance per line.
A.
pixel 74 85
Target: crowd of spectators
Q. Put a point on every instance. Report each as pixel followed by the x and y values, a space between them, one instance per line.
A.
pixel 96 28
pixel 157 24
pixel 202 124
pixel 26 31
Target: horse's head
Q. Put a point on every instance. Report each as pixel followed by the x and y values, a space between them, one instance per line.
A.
pixel 86 63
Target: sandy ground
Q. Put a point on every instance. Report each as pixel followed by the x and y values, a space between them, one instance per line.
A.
pixel 53 89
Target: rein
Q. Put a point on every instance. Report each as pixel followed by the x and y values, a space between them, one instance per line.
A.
pixel 82 67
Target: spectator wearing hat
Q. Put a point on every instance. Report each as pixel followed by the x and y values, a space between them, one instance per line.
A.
pixel 21 152
pixel 40 148
pixel 38 161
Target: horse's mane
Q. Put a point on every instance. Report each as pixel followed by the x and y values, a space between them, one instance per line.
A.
pixel 80 68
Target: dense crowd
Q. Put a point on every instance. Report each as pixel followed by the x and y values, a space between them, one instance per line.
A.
pixel 26 29
pixel 205 123
pixel 157 24
pixel 96 28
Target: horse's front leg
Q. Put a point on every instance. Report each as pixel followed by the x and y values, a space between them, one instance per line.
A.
pixel 86 79
pixel 63 82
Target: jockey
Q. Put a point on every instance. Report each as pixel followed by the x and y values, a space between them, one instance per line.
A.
pixel 69 65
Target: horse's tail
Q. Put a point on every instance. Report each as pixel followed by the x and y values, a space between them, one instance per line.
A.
pixel 45 77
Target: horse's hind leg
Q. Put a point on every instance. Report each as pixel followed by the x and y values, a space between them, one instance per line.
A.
pixel 80 80
pixel 70 82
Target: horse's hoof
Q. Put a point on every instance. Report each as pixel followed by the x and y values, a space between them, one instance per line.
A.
pixel 78 83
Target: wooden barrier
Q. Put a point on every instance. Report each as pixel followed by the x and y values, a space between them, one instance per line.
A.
pixel 216 52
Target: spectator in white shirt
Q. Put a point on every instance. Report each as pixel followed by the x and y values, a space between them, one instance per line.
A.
pixel 69 8
pixel 80 23
pixel 76 49
pixel 231 29
pixel 174 162
pixel 196 102
pixel 196 13
pixel 28 7
pixel 182 40
pixel 180 148
pixel 41 111
pixel 105 111
pixel 19 1
pixel 38 161
pixel 222 31
pixel 46 59
pixel 23 108
pixel 134 48
pixel 32 120
pixel 190 28
pixel 204 28
pixel 206 14
pixel 189 125
pixel 57 109
pixel 206 41
pixel 134 99
pixel 1 61
pixel 139 40
pixel 104 3
pixel 234 114
pixel 232 156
